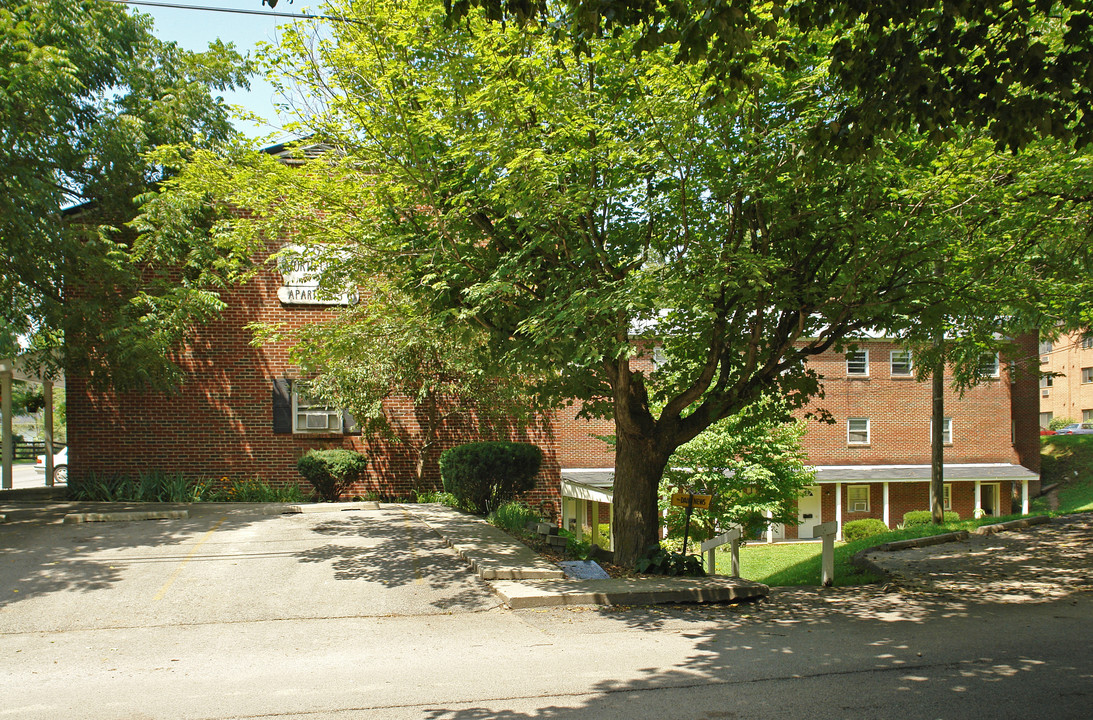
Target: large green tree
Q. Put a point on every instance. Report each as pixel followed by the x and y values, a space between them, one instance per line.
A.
pixel 86 91
pixel 584 206
pixel 1017 69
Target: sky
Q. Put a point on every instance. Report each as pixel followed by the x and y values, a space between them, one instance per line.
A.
pixel 195 29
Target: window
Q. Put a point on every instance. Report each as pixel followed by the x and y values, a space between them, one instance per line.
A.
pixel 1087 415
pixel 294 412
pixel 1087 342
pixel 988 365
pixel 313 416
pixel 1045 419
pixel 1045 347
pixel 1087 375
pixel 947 497
pixel 1046 381
pixel 946 431
pixel 857 431
pixel 857 498
pixel 901 362
pixel 857 362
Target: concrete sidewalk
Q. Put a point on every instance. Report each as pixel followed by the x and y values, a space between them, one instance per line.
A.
pixel 523 579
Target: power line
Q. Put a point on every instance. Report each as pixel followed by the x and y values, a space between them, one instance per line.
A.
pixel 236 11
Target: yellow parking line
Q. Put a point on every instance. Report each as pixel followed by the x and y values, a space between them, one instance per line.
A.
pixel 175 574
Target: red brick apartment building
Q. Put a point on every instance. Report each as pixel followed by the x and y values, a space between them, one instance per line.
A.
pixel 236 416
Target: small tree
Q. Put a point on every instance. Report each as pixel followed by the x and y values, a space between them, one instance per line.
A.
pixel 753 465
pixel 330 472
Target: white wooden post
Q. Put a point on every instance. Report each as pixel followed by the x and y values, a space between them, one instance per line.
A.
pixel 838 509
pixel 978 512
pixel 5 430
pixel 887 508
pixel 732 537
pixel 1024 497
pixel 611 523
pixel 567 505
pixel 827 531
pixel 770 527
pixel 594 530
pixel 47 392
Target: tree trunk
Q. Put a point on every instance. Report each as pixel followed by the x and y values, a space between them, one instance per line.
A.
pixel 937 444
pixel 639 466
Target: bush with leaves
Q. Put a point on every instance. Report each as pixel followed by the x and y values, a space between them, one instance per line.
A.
pixel 330 472
pixel 485 475
pixel 924 517
pixel 1058 423
pixel 866 527
pixel 658 561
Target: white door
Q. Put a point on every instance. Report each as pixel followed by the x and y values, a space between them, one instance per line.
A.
pixel 988 498
pixel 808 511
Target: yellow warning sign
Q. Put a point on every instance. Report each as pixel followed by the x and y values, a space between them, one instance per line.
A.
pixel 695 502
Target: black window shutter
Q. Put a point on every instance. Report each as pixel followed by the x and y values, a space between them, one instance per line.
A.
pixel 282 407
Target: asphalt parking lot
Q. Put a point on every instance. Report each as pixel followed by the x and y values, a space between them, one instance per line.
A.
pixel 227 564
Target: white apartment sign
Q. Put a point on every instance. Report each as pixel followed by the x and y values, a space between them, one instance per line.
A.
pixel 301 272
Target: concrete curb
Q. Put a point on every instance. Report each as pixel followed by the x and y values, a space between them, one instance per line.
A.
pixel 1012 525
pixel 922 541
pixel 321 508
pixel 127 516
pixel 627 591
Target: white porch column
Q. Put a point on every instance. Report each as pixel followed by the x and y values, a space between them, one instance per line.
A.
pixel 887 508
pixel 770 527
pixel 594 529
pixel 978 501
pixel 1024 497
pixel 5 431
pixel 47 392
pixel 567 504
pixel 611 524
pixel 839 510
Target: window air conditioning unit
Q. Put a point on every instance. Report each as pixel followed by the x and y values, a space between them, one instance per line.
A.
pixel 859 507
pixel 1045 393
pixel 318 421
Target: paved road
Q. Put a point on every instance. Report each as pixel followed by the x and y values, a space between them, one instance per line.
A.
pixel 233 614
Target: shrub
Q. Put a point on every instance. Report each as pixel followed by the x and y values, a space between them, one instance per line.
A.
pixel 866 527
pixel 658 561
pixel 330 472
pixel 924 517
pixel 484 476
pixel 1060 422
pixel 513 516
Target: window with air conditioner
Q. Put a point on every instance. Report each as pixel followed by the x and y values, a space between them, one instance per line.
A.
pixel 313 416
pixel 988 365
pixel 857 498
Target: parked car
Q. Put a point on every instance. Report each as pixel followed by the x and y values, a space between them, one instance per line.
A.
pixel 1082 428
pixel 60 466
pixel 1045 431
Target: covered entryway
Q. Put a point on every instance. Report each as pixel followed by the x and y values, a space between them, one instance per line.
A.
pixel 14 369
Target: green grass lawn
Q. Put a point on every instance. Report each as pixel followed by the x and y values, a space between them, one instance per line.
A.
pixel 1067 460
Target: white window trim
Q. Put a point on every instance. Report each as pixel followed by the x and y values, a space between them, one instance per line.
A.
pixel 892 363
pixel 305 411
pixel 997 371
pixel 946 429
pixel 849 372
pixel 850 505
pixel 1087 375
pixel 947 497
pixel 868 432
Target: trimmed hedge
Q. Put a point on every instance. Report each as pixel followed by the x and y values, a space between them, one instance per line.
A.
pixel 866 527
pixel 925 517
pixel 484 476
pixel 330 472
